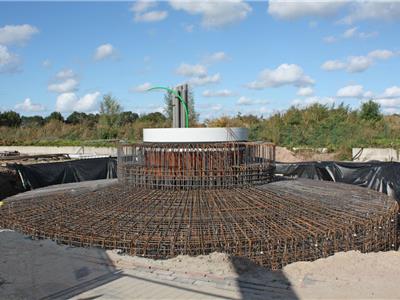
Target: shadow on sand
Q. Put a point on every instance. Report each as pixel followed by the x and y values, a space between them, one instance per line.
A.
pixel 41 269
pixel 255 282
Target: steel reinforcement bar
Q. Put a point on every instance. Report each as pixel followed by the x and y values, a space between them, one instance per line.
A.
pixel 192 166
pixel 273 224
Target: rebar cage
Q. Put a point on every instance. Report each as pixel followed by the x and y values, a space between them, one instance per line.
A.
pixel 273 224
pixel 193 166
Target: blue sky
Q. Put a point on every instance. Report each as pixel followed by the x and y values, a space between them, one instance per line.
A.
pixel 248 57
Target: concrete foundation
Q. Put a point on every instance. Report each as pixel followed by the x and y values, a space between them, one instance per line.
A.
pixel 381 154
pixel 195 135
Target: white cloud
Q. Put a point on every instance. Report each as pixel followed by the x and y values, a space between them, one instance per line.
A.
pixel 197 74
pixel 220 93
pixel 28 106
pixel 373 10
pixel 64 74
pixel 46 63
pixel 141 12
pixel 189 28
pixel 104 51
pixel 313 100
pixel 141 87
pixel 330 39
pixel 142 6
pixel 216 107
pixel 16 34
pixel 320 100
pixel 381 54
pixel 350 32
pixel 215 13
pixel 151 16
pixel 391 92
pixel 389 102
pixel 355 64
pixel 204 80
pixel 290 10
pixel 354 10
pixel 66 86
pixel 285 74
pixel 305 91
pixel 149 108
pixel 191 70
pixel 245 101
pixel 351 91
pixel 368 95
pixel 259 111
pixel 69 102
pixel 367 35
pixel 216 57
pixel 9 62
pixel 391 110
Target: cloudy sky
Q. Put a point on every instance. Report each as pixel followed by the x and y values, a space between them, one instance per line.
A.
pixel 248 57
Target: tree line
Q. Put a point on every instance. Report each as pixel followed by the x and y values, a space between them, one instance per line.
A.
pixel 337 127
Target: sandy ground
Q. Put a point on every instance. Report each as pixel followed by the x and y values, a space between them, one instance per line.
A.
pixel 345 275
pixel 33 269
pixel 285 155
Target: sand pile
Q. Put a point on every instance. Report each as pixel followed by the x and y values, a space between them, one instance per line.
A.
pixel 345 275
pixel 286 156
pixel 282 154
pixel 218 264
pixel 348 275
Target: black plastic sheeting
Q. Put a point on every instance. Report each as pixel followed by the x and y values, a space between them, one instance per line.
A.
pixel 44 174
pixel 379 176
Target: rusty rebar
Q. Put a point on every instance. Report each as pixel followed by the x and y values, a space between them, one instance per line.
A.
pixel 273 224
pixel 196 166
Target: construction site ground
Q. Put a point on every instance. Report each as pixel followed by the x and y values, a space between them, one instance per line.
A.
pixel 42 269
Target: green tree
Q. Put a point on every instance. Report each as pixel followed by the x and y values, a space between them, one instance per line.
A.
pixel 82 118
pixel 371 111
pixel 155 117
pixel 128 117
pixel 10 119
pixel 55 116
pixel 34 121
pixel 110 111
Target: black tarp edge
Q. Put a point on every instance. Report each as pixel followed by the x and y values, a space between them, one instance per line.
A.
pixel 379 176
pixel 44 174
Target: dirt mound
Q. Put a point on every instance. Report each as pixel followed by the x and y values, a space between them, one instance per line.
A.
pixel 284 155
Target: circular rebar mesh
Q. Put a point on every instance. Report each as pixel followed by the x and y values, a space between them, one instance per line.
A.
pixel 273 224
pixel 196 166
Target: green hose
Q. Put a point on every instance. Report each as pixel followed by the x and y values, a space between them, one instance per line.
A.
pixel 180 99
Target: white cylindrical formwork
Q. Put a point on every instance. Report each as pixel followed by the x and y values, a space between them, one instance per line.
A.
pixel 195 135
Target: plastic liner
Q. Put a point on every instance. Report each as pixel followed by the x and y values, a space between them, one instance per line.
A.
pixel 379 176
pixel 45 174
